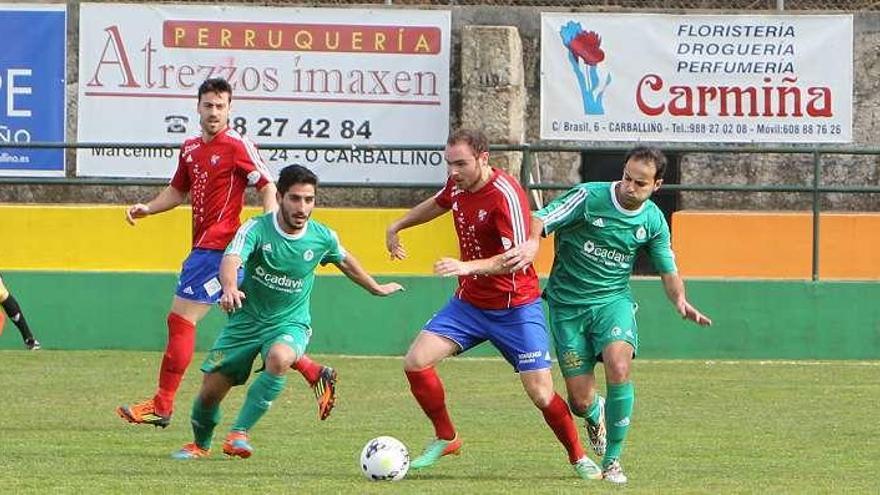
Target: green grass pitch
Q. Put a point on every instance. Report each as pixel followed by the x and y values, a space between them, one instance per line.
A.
pixel 699 427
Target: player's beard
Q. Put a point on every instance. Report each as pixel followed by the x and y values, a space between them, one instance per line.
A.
pixel 212 128
pixel 291 221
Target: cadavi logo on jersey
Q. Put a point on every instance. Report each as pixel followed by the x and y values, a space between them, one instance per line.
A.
pixel 277 282
pixel 608 256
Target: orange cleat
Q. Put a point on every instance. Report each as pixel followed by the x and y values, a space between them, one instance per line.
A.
pixel 143 413
pixel 325 392
pixel 238 444
pixel 190 451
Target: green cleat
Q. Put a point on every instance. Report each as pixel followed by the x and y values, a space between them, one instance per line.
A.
pixel 587 469
pixel 435 450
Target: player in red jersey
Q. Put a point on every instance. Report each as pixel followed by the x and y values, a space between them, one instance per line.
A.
pixel 491 215
pixel 214 168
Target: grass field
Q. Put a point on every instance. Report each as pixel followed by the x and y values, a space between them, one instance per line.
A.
pixel 699 427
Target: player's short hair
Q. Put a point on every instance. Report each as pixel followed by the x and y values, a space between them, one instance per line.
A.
pixel 649 154
pixel 215 85
pixel 472 137
pixel 295 174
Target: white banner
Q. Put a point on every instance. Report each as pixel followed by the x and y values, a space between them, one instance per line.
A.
pixel 624 77
pixel 299 76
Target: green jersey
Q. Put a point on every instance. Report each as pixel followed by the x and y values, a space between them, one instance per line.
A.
pixel 279 269
pixel 596 240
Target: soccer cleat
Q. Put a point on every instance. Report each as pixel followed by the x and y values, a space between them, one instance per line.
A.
pixel 587 469
pixel 143 413
pixel 435 450
pixel 237 444
pixel 614 473
pixel 32 344
pixel 325 391
pixel 597 433
pixel 190 451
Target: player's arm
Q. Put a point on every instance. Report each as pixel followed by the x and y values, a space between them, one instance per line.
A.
pixel 674 287
pixel 423 212
pixel 250 164
pixel 352 269
pixel 451 267
pixel 238 250
pixel 520 257
pixel 566 210
pixel 168 198
pixel 660 251
pixel 232 297
pixel 267 197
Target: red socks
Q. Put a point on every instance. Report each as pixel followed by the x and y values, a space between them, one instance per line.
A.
pixel 178 354
pixel 558 417
pixel 427 388
pixel 309 369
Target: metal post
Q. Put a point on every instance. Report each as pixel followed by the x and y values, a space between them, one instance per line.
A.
pixel 525 170
pixel 780 5
pixel 816 171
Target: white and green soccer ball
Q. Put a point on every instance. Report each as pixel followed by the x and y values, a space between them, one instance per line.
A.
pixel 384 459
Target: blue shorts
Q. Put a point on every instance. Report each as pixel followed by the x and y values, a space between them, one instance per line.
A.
pixel 199 277
pixel 519 333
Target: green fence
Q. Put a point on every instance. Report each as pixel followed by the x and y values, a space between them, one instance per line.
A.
pixel 818 154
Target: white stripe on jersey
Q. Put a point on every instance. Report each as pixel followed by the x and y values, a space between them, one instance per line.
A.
pixel 519 228
pixel 567 206
pixel 253 154
pixel 237 243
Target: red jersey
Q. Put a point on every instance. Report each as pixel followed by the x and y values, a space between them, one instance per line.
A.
pixel 216 174
pixel 489 222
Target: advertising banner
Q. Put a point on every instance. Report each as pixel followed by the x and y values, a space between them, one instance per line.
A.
pixel 32 87
pixel 706 78
pixel 299 76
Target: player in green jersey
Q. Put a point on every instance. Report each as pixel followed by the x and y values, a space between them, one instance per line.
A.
pixel 269 312
pixel 598 228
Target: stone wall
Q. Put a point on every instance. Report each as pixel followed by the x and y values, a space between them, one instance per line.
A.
pixel 499 96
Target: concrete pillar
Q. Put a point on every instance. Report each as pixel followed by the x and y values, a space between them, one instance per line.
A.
pixel 493 93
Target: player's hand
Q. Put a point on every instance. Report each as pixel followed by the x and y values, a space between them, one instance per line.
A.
pixel 394 246
pixel 520 257
pixel 139 210
pixel 451 267
pixel 388 289
pixel 231 300
pixel 691 313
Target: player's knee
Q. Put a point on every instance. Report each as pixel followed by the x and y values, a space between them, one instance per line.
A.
pixel 542 397
pixel 412 362
pixel 579 405
pixel 279 359
pixel 617 372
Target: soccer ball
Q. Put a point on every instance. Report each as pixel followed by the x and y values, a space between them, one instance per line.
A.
pixel 384 459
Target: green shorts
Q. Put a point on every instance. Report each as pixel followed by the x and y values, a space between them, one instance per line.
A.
pixel 581 334
pixel 239 343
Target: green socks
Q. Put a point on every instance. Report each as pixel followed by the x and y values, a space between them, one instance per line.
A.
pixel 260 395
pixel 618 412
pixel 594 411
pixel 204 419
